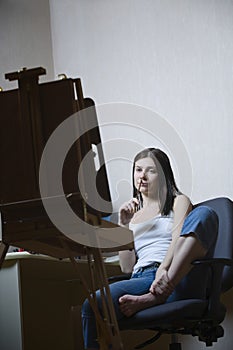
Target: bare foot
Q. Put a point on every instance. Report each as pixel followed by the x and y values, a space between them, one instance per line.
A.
pixel 130 304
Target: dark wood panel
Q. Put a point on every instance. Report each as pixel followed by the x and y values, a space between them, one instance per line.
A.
pixel 16 151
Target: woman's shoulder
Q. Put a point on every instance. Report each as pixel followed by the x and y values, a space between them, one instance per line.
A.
pixel 182 201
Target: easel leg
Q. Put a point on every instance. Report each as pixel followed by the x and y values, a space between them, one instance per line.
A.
pixel 108 308
pixel 107 326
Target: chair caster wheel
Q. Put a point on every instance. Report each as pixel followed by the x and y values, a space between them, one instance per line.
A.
pixel 175 346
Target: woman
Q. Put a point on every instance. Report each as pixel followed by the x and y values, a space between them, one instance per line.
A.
pixel 168 236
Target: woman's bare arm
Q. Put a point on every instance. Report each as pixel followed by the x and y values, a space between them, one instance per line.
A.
pixel 127 257
pixel 127 260
pixel 182 206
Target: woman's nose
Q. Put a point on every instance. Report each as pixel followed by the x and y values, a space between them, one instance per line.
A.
pixel 143 175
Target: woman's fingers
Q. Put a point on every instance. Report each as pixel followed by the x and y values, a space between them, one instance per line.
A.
pixel 127 210
pixel 131 205
pixel 162 286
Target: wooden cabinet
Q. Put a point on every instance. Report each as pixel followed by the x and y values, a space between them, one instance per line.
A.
pixel 36 298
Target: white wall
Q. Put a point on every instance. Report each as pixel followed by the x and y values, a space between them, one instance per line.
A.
pixel 173 57
pixel 25 38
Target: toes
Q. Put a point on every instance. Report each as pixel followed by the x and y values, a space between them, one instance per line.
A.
pixel 123 299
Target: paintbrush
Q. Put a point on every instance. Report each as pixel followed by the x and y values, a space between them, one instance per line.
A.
pixel 138 196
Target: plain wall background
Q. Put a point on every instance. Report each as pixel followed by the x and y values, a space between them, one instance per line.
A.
pixel 172 57
pixel 25 38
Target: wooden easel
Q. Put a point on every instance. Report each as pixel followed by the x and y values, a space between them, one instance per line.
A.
pixel 36 110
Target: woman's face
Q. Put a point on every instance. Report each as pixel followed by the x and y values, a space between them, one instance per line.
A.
pixel 146 174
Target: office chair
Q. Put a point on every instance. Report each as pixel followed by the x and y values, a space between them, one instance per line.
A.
pixel 202 316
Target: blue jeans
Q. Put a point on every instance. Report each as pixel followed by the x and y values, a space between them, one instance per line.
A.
pixel 138 284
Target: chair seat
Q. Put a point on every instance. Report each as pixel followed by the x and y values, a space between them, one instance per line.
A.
pixel 174 314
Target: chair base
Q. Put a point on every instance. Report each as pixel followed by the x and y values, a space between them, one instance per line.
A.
pixel 175 346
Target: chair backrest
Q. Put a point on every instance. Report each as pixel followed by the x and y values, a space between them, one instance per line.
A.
pixel 224 245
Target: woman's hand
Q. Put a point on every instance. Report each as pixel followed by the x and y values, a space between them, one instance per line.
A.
pixel 162 287
pixel 160 282
pixel 127 210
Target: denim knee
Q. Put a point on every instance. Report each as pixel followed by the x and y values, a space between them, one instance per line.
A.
pixel 203 222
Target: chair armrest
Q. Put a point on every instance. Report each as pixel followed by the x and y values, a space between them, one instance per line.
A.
pixel 213 261
pixel 125 276
pixel 217 265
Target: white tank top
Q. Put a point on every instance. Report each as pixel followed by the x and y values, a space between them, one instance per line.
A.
pixel 152 239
